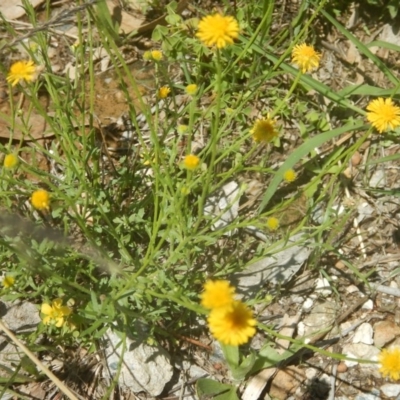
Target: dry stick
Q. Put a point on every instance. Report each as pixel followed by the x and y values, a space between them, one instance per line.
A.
pixel 37 362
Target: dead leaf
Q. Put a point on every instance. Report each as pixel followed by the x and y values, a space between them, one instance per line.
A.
pixel 12 9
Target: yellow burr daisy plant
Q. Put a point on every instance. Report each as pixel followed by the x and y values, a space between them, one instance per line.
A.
pixel 191 89
pixel 305 57
pixel 233 325
pixel 163 92
pixel 218 30
pixel 191 162
pixel 290 175
pixel 10 161
pixel 217 294
pixel 272 223
pixel 8 281
pixel 383 114
pixel 21 71
pixel 389 360
pixel 264 130
pixel 40 199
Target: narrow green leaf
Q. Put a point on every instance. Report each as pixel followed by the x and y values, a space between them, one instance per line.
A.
pixel 301 152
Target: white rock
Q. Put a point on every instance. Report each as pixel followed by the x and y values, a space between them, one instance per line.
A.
pixel 359 350
pixel 277 269
pixel 378 179
pixel 308 304
pixel 390 389
pixel 364 334
pixel 223 206
pixel 323 287
pixel 311 373
pixel 368 305
pixel 144 368
pixel 352 289
pixel 301 329
pixel 350 363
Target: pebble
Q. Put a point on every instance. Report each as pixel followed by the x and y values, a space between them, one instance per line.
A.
pixel 385 332
pixel 323 287
pixel 368 305
pixel 377 179
pixel 374 395
pixel 390 389
pixel 364 334
pixel 308 304
pixel 342 367
pixel 356 158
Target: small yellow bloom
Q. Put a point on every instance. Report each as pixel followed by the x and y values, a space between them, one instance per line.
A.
pixel 185 190
pixel 156 55
pixel 163 92
pixel 10 161
pixel 305 57
pixel 217 294
pixel 41 199
pixel 290 175
pixel 232 325
pixel 264 130
pixel 272 223
pixel 218 30
pixel 21 70
pixel 182 129
pixel 153 55
pixel 191 89
pixel 191 162
pixel 383 114
pixel 55 313
pixel 390 363
pixel 8 281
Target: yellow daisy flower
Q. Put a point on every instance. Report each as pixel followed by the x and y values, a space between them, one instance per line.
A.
pixel 390 363
pixel 191 162
pixel 264 130
pixel 191 89
pixel 218 30
pixel 10 161
pixel 21 70
pixel 305 57
pixel 8 281
pixel 155 55
pixel 182 129
pixel 272 223
pixel 232 325
pixel 217 294
pixel 289 175
pixel 383 114
pixel 55 313
pixel 41 199
pixel 163 92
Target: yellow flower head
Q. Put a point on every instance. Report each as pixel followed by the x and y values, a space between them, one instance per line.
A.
pixel 10 161
pixel 41 199
pixel 191 89
pixel 290 175
pixel 182 129
pixel 383 114
pixel 163 92
pixel 155 55
pixel 217 294
pixel 55 313
pixel 232 325
pixel 305 57
pixel 264 130
pixel 390 363
pixel 8 281
pixel 272 223
pixel 21 70
pixel 217 30
pixel 191 162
